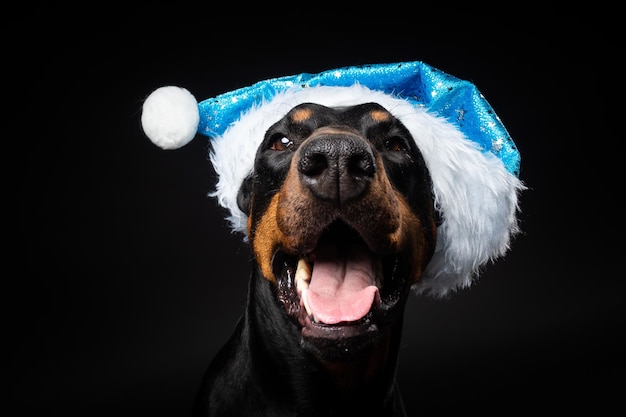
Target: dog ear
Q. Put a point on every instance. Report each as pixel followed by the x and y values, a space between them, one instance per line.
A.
pixel 244 194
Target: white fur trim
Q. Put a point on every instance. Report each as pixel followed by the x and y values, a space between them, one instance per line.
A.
pixel 170 117
pixel 475 193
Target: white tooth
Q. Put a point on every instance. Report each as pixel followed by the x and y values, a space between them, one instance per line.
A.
pixel 303 275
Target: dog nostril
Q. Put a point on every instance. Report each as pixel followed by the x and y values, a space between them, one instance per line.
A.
pixel 361 164
pixel 313 165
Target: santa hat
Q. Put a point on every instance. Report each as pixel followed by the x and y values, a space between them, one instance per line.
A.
pixel 473 162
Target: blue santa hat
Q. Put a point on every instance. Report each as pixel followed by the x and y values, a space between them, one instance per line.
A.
pixel 473 162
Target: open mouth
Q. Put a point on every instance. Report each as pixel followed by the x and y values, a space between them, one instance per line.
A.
pixel 341 289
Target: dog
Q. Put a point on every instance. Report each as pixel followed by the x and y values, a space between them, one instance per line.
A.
pixel 341 224
pixel 353 187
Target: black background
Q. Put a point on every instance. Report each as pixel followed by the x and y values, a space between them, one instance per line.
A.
pixel 124 279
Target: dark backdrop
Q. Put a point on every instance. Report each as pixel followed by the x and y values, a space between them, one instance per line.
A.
pixel 125 279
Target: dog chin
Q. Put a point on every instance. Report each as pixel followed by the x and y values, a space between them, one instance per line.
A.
pixel 341 342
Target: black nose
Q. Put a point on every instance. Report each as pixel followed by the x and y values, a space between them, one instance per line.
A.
pixel 337 167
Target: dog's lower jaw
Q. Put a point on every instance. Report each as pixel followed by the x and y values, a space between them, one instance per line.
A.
pixel 362 386
pixel 351 376
pixel 314 386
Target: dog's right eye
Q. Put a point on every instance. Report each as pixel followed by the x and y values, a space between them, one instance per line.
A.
pixel 280 143
pixel 395 143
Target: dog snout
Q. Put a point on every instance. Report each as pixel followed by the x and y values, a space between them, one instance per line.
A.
pixel 336 167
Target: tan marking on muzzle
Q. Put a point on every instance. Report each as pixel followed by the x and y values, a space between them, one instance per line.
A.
pixel 269 233
pixel 266 238
pixel 410 239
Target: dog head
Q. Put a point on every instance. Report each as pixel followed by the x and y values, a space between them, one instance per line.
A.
pixel 341 217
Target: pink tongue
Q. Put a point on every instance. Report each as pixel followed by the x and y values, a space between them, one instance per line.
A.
pixel 342 286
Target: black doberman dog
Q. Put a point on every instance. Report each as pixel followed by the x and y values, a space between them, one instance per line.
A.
pixel 341 223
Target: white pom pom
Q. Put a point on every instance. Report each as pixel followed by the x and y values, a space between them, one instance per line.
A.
pixel 170 117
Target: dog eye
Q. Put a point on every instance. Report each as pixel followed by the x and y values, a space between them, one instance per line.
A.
pixel 280 143
pixel 395 143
